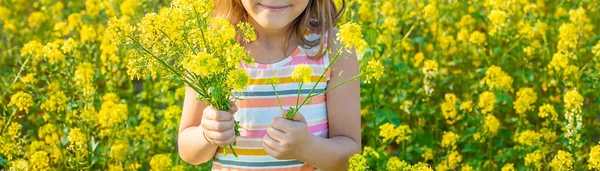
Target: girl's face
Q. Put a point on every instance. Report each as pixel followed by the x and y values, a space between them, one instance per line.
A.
pixel 274 14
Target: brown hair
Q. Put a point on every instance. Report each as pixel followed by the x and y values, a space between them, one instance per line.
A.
pixel 320 16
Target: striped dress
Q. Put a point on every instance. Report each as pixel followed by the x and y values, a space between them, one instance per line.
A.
pixel 259 106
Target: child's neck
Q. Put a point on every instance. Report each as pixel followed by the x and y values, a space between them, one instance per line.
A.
pixel 269 45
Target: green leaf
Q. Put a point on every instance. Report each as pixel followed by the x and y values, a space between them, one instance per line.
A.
pixel 3 161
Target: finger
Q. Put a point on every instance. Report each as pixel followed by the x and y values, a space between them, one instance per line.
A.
pixel 269 151
pixel 298 117
pixel 219 115
pixel 277 135
pixel 281 124
pixel 220 136
pixel 218 126
pixel 233 108
pixel 271 143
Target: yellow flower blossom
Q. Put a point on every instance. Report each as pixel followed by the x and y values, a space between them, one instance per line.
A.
pixel 57 102
pixel 486 102
pixel 395 164
pixel 238 79
pixel 547 110
pixel 22 101
pixel 350 35
pixel 491 124
pixel 161 162
pixel 449 139
pixel 528 137
pixel 562 161
pixel 525 100
pixel 39 161
pixel 508 167
pixel 594 160
pixel 357 163
pixel 374 71
pixel 496 78
pixel 303 73
pixel 36 19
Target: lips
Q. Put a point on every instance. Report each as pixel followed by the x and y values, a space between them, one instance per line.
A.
pixel 274 8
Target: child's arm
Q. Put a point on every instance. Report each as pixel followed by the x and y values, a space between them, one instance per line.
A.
pixel 291 139
pixel 217 126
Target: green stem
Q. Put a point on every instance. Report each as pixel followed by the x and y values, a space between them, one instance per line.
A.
pixel 298 98
pixel 18 75
pixel 337 85
pixel 184 78
pixel 321 77
pixel 277 96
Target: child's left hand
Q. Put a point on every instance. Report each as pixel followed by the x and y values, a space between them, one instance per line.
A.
pixel 287 139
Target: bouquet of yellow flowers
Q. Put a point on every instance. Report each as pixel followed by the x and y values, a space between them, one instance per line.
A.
pixel 186 42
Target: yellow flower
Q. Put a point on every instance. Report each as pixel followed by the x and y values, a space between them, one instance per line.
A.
pixel 128 7
pixel 498 20
pixel 19 164
pixel 568 37
pixel 596 50
pixel 562 161
pixel 118 29
pixel 22 101
pixel 87 33
pixel 394 164
pixel 427 154
pixel 573 100
pixel 449 139
pixel 559 62
pixel 92 7
pixel 508 167
pixel 594 160
pixel 369 151
pixel 77 138
pixel 430 68
pixel 111 114
pixel 40 161
pixel 57 102
pixel 467 106
pixel 53 52
pixel 33 48
pixel 238 79
pixel 247 30
pixel 161 162
pixel 466 168
pixel 29 79
pixel 202 64
pixel 528 137
pixel 525 100
pixel 449 109
pixel 387 132
pixel 491 124
pixel 302 72
pixel 418 58
pixel 496 78
pixel 548 110
pixel 374 71
pixel 350 35
pixel 36 19
pixel 477 38
pixel 486 102
pixel 534 159
pixel 357 163
pixel 118 150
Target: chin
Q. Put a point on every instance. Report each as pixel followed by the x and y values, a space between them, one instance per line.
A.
pixel 273 22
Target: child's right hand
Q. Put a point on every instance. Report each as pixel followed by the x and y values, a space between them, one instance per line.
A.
pixel 218 126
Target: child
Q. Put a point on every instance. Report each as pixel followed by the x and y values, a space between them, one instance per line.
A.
pixel 322 135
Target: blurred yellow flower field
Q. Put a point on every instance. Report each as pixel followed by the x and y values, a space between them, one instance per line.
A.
pixel 453 85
